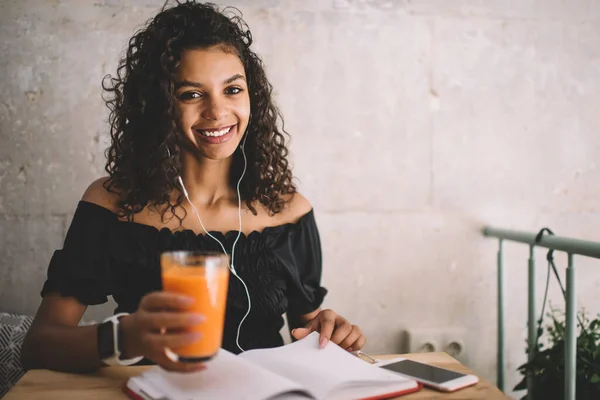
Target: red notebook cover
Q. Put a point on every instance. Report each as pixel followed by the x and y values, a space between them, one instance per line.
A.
pixel 395 394
pixel 132 394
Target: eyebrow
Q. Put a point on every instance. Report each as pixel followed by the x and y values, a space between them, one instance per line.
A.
pixel 199 85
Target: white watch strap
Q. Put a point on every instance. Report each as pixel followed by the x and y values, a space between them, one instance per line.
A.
pixel 115 359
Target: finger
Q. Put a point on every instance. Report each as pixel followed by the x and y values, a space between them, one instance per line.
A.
pixel 156 343
pixel 360 343
pixel 352 337
pixel 300 333
pixel 327 324
pixel 342 329
pixel 171 320
pixel 165 301
pixel 313 324
pixel 170 361
pixel 172 366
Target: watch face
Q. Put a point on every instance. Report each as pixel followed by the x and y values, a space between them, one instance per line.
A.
pixel 106 347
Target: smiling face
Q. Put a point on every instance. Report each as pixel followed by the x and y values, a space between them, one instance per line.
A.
pixel 213 101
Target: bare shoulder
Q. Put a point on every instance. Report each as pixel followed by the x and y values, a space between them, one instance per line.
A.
pixel 295 208
pixel 96 193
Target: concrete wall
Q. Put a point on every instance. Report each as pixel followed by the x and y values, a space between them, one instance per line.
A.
pixel 414 124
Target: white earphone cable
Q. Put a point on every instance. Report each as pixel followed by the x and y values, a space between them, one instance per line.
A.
pixel 232 266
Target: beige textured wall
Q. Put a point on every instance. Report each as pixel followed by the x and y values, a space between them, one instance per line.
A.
pixel 414 124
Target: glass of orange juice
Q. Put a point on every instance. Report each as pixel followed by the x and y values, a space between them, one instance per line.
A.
pixel 204 277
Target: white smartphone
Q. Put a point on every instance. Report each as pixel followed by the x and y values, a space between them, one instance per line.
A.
pixel 438 378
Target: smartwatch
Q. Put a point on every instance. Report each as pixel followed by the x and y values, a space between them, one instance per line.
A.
pixel 110 342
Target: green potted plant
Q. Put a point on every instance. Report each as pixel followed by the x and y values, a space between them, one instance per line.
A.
pixel 548 365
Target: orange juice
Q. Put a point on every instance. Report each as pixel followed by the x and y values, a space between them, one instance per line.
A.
pixel 205 278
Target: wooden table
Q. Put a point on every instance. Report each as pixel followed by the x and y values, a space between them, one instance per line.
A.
pixel 107 383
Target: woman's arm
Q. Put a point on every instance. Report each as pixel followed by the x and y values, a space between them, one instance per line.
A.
pixel 331 326
pixel 56 342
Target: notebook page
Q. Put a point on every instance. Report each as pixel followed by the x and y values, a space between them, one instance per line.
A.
pixel 323 370
pixel 226 377
pixel 318 381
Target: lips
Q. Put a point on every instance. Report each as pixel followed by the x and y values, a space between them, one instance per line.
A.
pixel 216 135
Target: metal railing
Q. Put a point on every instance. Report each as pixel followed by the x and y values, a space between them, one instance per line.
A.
pixel 570 246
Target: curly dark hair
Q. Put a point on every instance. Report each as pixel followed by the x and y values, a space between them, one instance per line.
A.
pixel 142 160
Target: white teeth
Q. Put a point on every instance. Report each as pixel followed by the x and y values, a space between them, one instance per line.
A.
pixel 216 133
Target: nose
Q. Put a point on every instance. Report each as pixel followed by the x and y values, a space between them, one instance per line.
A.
pixel 215 109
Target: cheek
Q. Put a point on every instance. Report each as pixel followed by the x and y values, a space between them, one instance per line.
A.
pixel 243 108
pixel 187 116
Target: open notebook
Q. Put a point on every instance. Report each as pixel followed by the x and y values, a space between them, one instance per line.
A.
pixel 297 371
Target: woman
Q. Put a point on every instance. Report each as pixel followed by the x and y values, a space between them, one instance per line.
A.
pixel 190 100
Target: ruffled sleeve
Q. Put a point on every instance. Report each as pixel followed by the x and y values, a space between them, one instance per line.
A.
pixel 81 268
pixel 300 252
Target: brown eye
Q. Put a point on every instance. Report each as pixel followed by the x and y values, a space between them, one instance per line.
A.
pixel 233 90
pixel 190 96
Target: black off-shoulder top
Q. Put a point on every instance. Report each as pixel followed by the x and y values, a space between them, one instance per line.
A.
pixel 104 256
